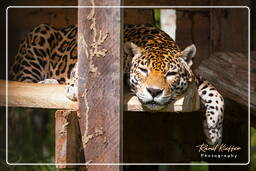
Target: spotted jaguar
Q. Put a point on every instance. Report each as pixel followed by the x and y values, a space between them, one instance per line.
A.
pixel 157 70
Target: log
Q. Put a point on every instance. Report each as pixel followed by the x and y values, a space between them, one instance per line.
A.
pixel 188 102
pixel 229 73
pixel 21 94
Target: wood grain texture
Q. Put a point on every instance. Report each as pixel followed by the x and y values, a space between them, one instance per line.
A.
pixel 188 102
pixel 99 83
pixel 143 16
pixel 194 27
pixel 229 73
pixel 66 139
pixel 21 94
pixel 224 38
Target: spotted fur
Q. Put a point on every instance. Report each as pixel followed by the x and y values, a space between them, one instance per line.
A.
pixel 46 53
pixel 157 70
pixel 157 74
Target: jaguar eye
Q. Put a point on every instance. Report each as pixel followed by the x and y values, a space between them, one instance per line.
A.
pixel 145 71
pixel 171 74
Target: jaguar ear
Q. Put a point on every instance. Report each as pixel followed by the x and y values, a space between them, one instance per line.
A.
pixel 188 54
pixel 131 49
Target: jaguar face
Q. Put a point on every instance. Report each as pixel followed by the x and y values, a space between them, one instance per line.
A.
pixel 158 79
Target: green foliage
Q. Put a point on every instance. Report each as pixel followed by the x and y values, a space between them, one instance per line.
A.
pixel 199 167
pixel 31 136
pixel 157 17
pixel 29 142
pixel 253 149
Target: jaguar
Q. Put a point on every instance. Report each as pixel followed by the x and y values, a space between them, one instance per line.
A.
pixel 157 70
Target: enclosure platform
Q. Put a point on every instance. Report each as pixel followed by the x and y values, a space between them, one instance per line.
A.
pixel 34 95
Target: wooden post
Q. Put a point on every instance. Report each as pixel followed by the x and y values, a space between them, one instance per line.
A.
pixel 99 83
pixel 67 142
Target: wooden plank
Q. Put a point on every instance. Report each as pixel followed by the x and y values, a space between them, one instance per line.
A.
pixel 190 28
pixel 229 73
pixel 225 38
pixel 21 94
pixel 99 83
pixel 230 3
pixel 188 102
pixel 183 2
pixel 143 16
pixel 66 139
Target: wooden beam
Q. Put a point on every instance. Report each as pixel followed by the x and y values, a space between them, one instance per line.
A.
pixel 21 94
pixel 67 144
pixel 188 102
pixel 99 84
pixel 229 73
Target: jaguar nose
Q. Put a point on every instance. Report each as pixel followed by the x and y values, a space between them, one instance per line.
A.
pixel 155 91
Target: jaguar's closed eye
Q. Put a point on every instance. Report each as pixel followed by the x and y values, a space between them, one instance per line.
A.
pixel 145 71
pixel 171 74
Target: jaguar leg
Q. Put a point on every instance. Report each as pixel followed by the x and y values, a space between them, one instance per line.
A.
pixel 214 104
pixel 71 89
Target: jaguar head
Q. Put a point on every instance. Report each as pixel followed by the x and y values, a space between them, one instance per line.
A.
pixel 159 76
